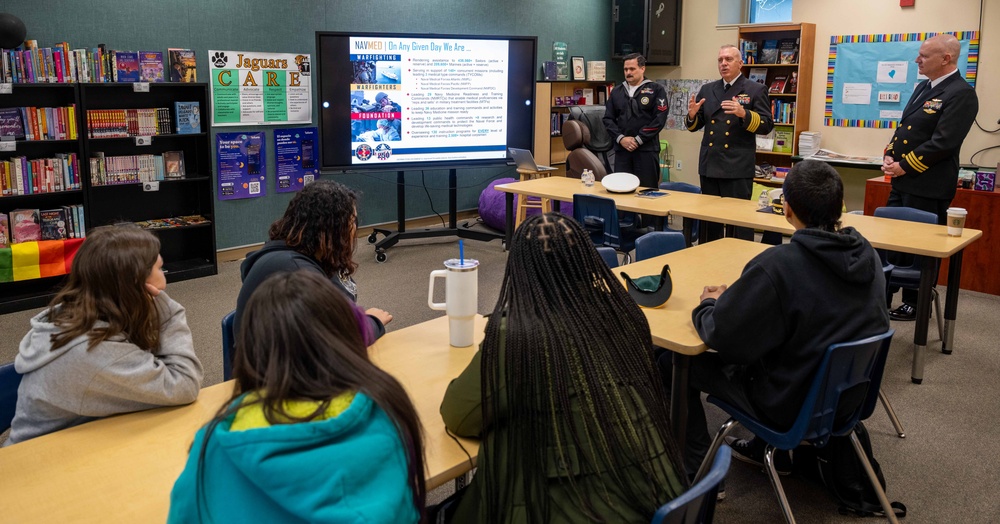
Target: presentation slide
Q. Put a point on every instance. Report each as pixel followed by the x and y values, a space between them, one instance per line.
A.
pixel 412 100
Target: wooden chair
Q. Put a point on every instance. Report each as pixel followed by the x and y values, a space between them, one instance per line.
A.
pixel 525 202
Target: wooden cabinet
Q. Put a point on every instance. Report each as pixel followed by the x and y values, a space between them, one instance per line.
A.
pixel 790 110
pixel 551 108
pixel 188 251
pixel 982 258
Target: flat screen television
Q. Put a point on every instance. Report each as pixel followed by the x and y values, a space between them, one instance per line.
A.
pixel 394 101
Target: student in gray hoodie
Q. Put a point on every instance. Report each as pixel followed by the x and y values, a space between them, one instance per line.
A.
pixel 110 342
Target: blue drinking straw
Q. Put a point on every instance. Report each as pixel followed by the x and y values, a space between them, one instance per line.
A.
pixel 461 253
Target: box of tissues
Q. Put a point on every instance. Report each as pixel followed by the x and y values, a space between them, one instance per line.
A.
pixel 985 181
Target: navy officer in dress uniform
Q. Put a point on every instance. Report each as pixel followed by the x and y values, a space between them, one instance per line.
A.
pixel 634 115
pixel 922 157
pixel 732 110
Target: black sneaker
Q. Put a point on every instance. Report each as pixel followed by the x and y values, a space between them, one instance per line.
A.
pixel 751 451
pixel 904 312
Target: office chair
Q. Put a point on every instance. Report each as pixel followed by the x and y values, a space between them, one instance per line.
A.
pixel 599 216
pixel 600 142
pixel 609 255
pixel 908 276
pixel 10 379
pixel 843 392
pixel 576 136
pixel 656 243
pixel 684 187
pixel 697 504
pixel 228 342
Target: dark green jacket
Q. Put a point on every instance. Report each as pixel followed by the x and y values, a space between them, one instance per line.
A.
pixel 463 415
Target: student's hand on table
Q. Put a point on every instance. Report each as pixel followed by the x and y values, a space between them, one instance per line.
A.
pixel 713 291
pixel 382 315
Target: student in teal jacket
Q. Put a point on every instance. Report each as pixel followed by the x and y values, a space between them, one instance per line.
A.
pixel 564 393
pixel 315 432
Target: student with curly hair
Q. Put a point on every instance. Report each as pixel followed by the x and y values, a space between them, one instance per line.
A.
pixel 315 431
pixel 564 392
pixel 110 342
pixel 318 232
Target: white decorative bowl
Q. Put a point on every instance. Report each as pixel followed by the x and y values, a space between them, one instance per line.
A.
pixel 620 182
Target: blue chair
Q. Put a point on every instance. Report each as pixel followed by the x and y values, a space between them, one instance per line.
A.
pixel 609 255
pixel 684 187
pixel 908 276
pixel 656 243
pixel 228 342
pixel 599 216
pixel 10 379
pixel 697 504
pixel 843 392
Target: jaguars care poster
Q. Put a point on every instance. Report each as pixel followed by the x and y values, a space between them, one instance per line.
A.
pixel 250 88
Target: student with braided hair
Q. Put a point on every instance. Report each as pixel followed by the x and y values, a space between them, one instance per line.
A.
pixel 564 392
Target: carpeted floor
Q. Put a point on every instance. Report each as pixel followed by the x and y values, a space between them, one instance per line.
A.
pixel 945 470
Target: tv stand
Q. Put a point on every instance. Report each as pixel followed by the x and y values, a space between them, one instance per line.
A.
pixel 392 237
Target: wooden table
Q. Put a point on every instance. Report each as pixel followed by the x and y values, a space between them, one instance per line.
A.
pixel 691 269
pixel 121 469
pixel 562 189
pixel 894 235
pixel 982 259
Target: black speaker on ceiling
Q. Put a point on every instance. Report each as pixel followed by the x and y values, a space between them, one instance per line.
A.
pixel 650 27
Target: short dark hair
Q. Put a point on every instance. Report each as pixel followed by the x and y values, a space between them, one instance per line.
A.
pixel 815 192
pixel 641 60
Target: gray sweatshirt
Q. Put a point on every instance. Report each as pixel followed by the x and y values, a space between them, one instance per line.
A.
pixel 70 385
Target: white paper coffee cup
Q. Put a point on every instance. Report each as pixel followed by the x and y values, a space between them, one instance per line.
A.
pixel 956 221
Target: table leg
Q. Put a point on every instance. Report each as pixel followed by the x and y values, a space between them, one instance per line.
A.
pixel 556 204
pixel 679 398
pixel 688 226
pixel 927 275
pixel 951 302
pixel 510 220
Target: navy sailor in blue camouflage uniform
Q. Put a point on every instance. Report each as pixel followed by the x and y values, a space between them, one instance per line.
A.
pixel 732 111
pixel 922 157
pixel 634 114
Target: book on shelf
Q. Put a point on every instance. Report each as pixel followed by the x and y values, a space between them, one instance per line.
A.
pixel 778 85
pixel 749 48
pixel 166 223
pixel 758 74
pixel 765 142
pixel 596 70
pixel 183 66
pixel 788 50
pixel 53 224
pixel 768 52
pixel 126 66
pixel 562 70
pixel 793 83
pixel 151 66
pixel 11 123
pixel 187 117
pixel 173 162
pixel 4 231
pixel 783 140
pixel 25 226
pixel 549 70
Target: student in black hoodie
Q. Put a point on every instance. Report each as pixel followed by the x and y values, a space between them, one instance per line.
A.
pixel 318 232
pixel 771 328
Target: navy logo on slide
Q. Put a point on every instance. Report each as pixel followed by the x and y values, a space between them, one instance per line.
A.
pixel 363 152
pixel 383 151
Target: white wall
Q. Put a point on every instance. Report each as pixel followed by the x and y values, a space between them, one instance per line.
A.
pixel 701 38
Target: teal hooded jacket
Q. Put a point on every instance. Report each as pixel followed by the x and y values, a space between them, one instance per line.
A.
pixel 346 469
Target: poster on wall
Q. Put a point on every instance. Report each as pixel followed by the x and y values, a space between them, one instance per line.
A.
pixel 678 93
pixel 250 88
pixel 242 165
pixel 295 158
pixel 870 78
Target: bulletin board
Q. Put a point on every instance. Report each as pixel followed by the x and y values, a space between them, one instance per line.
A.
pixel 870 78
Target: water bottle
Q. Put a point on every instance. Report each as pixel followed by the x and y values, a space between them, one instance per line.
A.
pixel 762 201
pixel 588 177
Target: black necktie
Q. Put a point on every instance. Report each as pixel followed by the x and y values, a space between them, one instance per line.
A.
pixel 728 86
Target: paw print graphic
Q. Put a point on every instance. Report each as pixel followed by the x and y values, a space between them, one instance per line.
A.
pixel 220 59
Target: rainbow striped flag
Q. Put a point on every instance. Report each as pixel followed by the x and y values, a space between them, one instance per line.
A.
pixel 28 260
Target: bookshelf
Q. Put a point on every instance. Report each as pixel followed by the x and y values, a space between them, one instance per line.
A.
pixel 188 251
pixel 24 294
pixel 549 149
pixel 789 110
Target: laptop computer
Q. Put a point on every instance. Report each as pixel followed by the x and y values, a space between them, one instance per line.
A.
pixel 524 160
